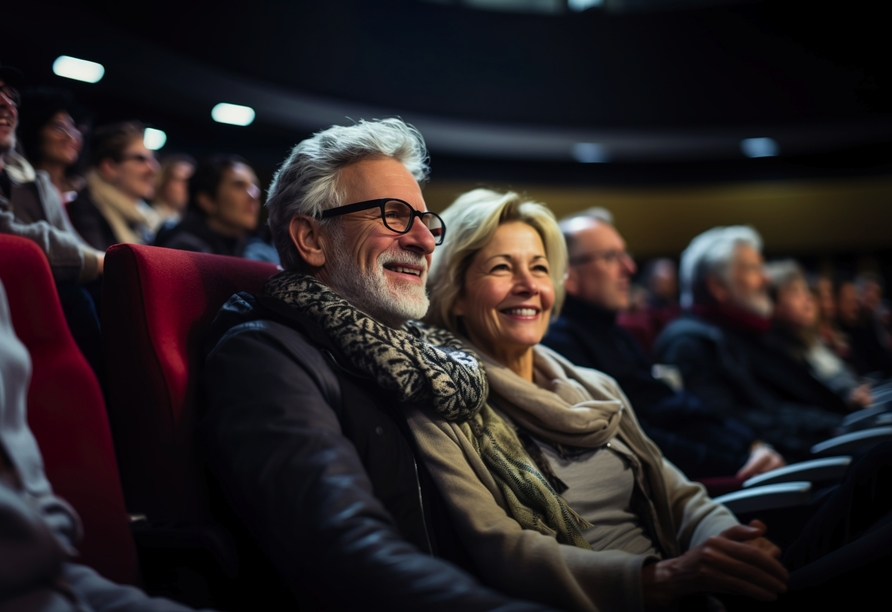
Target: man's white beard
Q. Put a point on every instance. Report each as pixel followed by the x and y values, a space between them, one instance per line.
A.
pixel 391 303
pixel 756 303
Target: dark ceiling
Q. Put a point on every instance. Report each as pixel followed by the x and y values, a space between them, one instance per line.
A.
pixel 667 93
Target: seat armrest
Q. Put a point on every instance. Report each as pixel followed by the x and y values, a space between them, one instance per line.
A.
pixel 876 415
pixel 816 470
pixel 768 497
pixel 858 440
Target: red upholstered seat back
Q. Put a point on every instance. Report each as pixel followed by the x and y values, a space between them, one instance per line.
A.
pixel 156 306
pixel 67 413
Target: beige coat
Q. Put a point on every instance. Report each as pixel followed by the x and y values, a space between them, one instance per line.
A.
pixel 527 564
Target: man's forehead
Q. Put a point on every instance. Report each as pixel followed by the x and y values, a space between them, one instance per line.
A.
pixel 600 235
pixel 380 177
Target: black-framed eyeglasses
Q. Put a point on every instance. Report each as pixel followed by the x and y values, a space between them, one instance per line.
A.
pixel 12 94
pixel 397 216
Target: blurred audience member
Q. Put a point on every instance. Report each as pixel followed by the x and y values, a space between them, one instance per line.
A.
pixel 112 208
pixel 868 355
pixel 875 310
pixel 50 138
pixel 828 329
pixel 718 345
pixel 661 277
pixel 695 439
pixel 795 330
pixel 30 205
pixel 224 203
pixel 662 281
pixel 172 187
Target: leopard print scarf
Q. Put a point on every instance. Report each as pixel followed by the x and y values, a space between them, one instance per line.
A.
pixel 420 364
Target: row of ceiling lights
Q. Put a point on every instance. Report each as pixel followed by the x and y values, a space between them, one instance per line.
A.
pixel 92 72
pixel 236 114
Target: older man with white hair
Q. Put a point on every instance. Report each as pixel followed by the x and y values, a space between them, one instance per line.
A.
pixel 691 435
pixel 718 345
pixel 307 383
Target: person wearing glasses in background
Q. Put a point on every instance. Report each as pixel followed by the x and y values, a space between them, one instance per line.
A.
pixel 29 204
pixel 306 385
pixel 112 208
pixel 224 202
pixel 51 137
pixel 699 442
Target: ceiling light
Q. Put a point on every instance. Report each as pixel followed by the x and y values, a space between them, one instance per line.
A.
pixel 233 114
pixel 759 147
pixel 581 5
pixel 154 139
pixel 590 153
pixel 78 69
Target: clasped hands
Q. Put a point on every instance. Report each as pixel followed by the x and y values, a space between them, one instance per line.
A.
pixel 738 561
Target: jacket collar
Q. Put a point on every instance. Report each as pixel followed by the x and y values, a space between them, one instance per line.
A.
pixel 586 314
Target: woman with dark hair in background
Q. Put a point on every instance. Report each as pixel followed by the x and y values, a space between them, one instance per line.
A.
pixel 224 203
pixel 51 139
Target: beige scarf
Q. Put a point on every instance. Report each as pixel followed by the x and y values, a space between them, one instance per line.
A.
pixel 129 221
pixel 583 408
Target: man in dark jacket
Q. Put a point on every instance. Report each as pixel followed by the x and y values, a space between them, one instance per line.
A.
pixel 720 348
pixel 698 441
pixel 306 384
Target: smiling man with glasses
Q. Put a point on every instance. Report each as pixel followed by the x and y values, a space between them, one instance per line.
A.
pixel 112 208
pixel 307 385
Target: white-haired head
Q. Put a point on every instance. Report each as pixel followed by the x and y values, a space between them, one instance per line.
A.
pixel 711 254
pixel 307 182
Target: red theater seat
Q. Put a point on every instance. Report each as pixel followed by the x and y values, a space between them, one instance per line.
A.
pixel 67 413
pixel 156 305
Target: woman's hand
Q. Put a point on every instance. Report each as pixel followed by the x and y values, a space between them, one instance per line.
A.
pixel 762 459
pixel 739 561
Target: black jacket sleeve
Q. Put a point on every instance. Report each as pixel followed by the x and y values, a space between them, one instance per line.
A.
pixel 724 385
pixel 275 444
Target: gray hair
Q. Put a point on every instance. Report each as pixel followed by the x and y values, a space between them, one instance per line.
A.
pixel 307 182
pixel 709 255
pixel 782 274
pixel 471 222
pixel 571 225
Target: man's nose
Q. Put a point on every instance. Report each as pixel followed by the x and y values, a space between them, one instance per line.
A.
pixel 419 238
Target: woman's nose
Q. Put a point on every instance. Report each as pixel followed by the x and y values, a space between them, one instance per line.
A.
pixel 526 283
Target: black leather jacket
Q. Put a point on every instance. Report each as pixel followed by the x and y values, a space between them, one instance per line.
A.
pixel 316 462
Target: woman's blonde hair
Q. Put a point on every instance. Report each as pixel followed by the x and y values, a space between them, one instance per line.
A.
pixel 471 222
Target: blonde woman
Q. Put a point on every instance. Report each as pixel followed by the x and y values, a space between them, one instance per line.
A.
pixel 554 489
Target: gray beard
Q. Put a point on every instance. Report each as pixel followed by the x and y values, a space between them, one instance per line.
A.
pixel 757 304
pixel 392 305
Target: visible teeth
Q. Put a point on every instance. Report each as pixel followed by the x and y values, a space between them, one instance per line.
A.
pixel 523 312
pixel 407 270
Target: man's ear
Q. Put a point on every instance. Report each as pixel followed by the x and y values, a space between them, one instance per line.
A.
pixel 108 169
pixel 308 240
pixel 205 203
pixel 717 289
